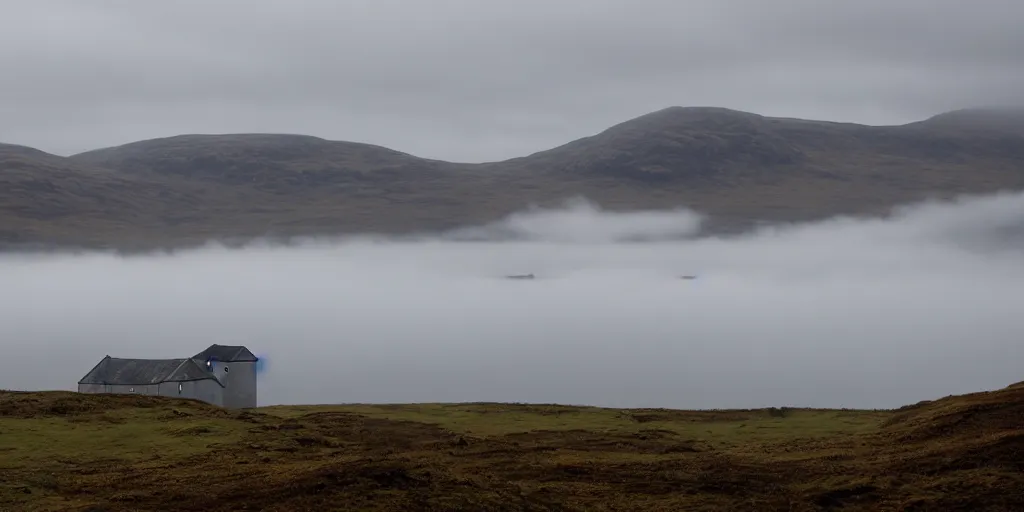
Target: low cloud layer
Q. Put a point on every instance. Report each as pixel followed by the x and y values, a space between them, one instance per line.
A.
pixel 843 313
pixel 582 221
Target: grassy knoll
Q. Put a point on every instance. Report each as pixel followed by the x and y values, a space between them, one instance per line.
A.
pixel 64 451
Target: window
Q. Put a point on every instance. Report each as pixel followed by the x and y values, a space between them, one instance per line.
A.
pixel 179 388
pixel 131 390
pixel 225 369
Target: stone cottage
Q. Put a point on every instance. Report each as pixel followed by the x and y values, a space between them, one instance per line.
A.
pixel 223 375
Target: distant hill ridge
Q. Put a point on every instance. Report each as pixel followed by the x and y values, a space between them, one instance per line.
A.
pixel 735 166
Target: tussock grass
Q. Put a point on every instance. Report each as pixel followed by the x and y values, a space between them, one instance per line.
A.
pixel 64 451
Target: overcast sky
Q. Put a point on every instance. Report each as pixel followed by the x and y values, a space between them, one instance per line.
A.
pixel 839 313
pixel 475 80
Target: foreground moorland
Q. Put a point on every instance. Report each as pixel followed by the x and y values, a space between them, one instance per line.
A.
pixel 65 451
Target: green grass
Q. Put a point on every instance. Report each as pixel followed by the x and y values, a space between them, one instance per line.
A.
pixel 123 436
pixel 720 428
pixel 65 451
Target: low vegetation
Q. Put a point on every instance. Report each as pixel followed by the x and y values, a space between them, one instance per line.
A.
pixel 65 451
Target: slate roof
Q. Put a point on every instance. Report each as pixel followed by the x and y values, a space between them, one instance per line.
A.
pixel 226 354
pixel 139 372
pixel 189 370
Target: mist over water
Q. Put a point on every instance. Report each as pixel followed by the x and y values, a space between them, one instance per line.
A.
pixel 842 313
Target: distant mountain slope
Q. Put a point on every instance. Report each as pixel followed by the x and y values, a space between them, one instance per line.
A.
pixel 979 119
pixel 700 144
pixel 692 144
pixel 261 159
pixel 737 167
pixel 47 199
pixel 746 166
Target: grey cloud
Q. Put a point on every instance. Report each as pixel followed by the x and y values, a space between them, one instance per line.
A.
pixel 854 313
pixel 471 81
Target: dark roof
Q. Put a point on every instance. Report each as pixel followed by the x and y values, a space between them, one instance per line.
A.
pixel 226 354
pixel 190 370
pixel 118 371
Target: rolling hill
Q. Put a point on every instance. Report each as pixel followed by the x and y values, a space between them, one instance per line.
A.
pixel 737 167
pixel 69 451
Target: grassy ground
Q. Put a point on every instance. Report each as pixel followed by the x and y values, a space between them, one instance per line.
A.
pixel 64 451
pixel 723 428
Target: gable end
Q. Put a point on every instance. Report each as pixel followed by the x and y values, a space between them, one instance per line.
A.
pixel 226 354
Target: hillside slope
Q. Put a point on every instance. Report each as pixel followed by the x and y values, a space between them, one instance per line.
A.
pixel 46 199
pixel 64 451
pixel 735 166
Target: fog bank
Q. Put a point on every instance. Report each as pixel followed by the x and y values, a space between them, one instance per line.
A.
pixel 842 313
